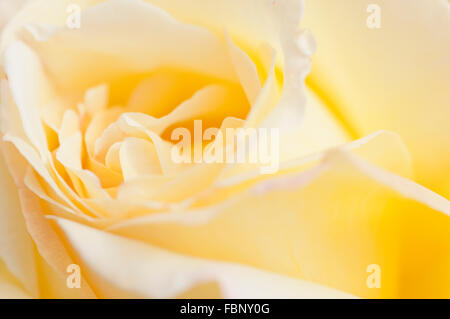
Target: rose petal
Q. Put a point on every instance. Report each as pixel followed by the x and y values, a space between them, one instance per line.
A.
pixel 16 247
pixel 10 288
pixel 395 77
pixel 138 157
pixel 246 71
pixel 109 46
pixel 69 154
pixel 345 210
pixel 271 23
pixel 30 89
pixel 319 131
pixel 210 104
pixel 43 236
pixel 121 267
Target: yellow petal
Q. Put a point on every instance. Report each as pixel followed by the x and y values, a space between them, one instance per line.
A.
pixel 138 157
pixel 246 71
pixel 69 154
pixel 30 89
pixel 10 288
pixel 43 236
pixel 211 104
pixel 120 267
pixel 70 125
pixel 53 284
pixel 319 131
pixel 273 24
pixel 161 92
pixel 16 247
pixel 112 159
pixel 96 99
pixel 109 46
pixel 395 77
pixel 327 224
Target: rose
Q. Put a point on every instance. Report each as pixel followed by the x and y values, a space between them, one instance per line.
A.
pixel 97 189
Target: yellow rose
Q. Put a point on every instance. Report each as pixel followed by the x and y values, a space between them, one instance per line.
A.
pixel 94 204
